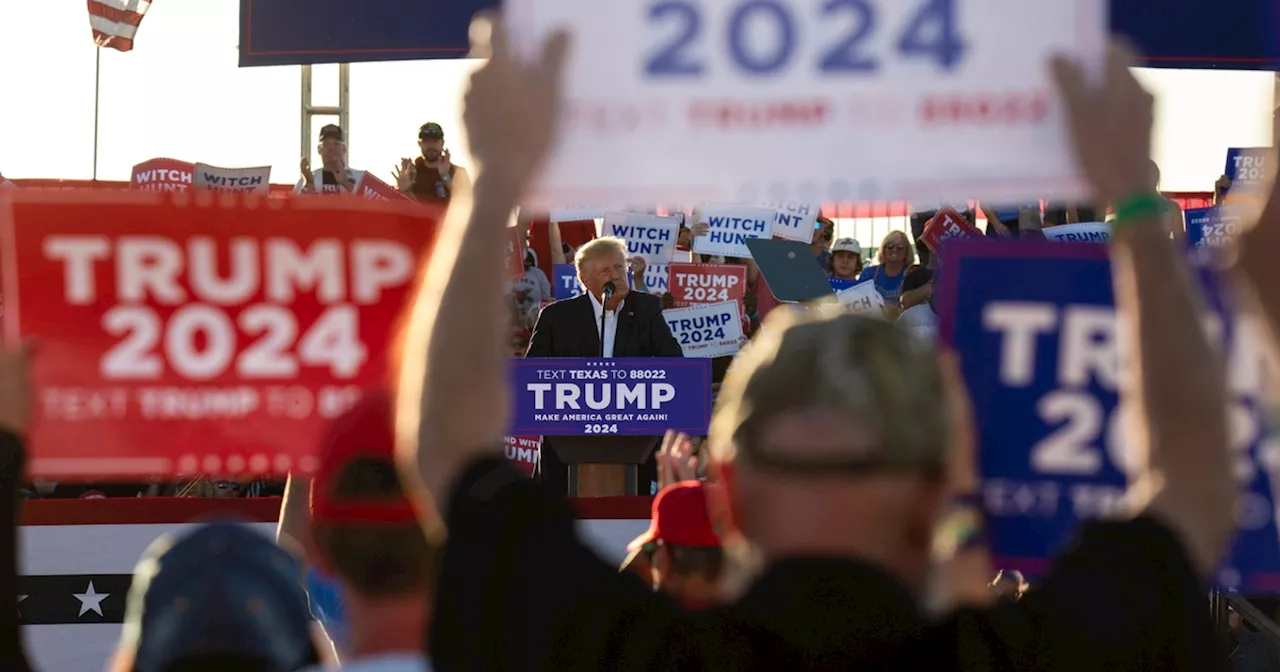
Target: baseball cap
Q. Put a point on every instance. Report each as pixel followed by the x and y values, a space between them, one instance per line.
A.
pixel 431 130
pixel 366 431
pixel 331 131
pixel 223 589
pixel 680 517
pixel 842 365
pixel 847 245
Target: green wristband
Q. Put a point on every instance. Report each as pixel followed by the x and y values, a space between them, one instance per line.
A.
pixel 1139 207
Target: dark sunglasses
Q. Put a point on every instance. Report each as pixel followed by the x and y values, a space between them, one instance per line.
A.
pixel 895 246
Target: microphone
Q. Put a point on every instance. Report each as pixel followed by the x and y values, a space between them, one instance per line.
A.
pixel 609 288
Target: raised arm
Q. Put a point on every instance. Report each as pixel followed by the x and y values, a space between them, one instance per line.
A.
pixel 453 395
pixel 1256 265
pixel 1177 378
pixel 556 241
pixel 15 405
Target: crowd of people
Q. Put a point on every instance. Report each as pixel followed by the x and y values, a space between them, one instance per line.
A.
pixel 835 493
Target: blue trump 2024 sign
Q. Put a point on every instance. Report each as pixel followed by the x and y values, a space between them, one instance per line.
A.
pixel 631 397
pixel 1035 327
pixel 1212 227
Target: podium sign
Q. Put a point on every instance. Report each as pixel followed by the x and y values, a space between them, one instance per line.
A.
pixel 610 397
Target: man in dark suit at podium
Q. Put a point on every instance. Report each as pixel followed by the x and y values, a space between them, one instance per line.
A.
pixel 632 322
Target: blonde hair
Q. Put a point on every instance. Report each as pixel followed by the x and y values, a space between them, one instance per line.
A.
pixel 865 368
pixel 906 242
pixel 598 248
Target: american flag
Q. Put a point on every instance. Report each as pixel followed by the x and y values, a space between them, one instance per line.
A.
pixel 115 22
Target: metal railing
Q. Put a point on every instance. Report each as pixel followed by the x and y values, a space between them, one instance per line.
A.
pixel 1219 603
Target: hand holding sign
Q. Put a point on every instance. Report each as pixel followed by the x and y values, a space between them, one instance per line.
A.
pixel 946 226
pixel 652 79
pixel 637 266
pixel 1110 125
pixel 513 105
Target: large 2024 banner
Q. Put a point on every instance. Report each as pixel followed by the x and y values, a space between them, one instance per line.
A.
pixel 1036 328
pixel 200 337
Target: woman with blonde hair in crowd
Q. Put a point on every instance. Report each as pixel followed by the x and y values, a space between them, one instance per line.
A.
pixel 894 257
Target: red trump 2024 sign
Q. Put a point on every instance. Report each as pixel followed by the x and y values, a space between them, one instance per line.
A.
pixel 215 338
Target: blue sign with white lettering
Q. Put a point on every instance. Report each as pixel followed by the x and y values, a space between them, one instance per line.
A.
pixel 1035 328
pixel 840 284
pixel 1212 227
pixel 565 281
pixel 1247 169
pixel 631 397
pixel 293 32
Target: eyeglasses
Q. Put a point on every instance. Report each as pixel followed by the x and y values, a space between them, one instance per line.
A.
pixel 895 246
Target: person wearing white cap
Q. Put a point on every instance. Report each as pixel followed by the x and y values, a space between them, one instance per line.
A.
pixel 845 262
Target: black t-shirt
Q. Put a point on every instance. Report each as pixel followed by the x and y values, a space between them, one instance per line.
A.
pixel 520 591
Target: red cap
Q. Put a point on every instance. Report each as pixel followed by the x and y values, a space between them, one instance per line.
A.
pixel 680 518
pixel 363 432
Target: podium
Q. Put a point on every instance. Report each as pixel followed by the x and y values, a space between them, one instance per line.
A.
pixel 602 466
pixel 602 418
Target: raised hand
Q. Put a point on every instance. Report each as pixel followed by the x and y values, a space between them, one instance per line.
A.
pixel 676 459
pixel 405 175
pixel 304 166
pixel 1110 124
pixel 445 163
pixel 513 105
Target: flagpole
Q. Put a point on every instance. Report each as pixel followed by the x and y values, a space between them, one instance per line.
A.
pixel 97 73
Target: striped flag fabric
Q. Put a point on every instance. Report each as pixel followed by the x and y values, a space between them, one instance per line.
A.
pixel 115 22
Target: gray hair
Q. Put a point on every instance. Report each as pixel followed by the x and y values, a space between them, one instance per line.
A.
pixel 598 248
pixel 867 369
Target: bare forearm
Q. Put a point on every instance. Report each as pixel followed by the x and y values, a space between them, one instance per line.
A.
pixel 1257 266
pixel 1179 388
pixel 295 514
pixel 455 362
pixel 556 242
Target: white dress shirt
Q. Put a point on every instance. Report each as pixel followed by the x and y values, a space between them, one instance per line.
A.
pixel 610 325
